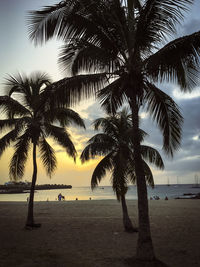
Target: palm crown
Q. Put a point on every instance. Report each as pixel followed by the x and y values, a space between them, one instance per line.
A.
pixel 31 122
pixel 120 41
pixel 116 147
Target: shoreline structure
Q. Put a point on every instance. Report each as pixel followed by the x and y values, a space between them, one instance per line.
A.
pixel 23 188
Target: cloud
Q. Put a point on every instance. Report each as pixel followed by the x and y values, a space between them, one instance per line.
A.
pixel 190 27
pixel 177 94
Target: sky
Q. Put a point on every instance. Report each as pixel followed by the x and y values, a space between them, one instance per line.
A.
pixel 18 54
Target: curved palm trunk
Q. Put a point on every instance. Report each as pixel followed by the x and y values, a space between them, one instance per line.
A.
pixel 128 226
pixel 30 218
pixel 145 250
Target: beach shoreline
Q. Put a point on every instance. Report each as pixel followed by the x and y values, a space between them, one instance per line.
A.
pixel 90 233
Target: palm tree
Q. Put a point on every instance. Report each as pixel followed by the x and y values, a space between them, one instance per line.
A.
pixel 31 121
pixel 119 47
pixel 115 144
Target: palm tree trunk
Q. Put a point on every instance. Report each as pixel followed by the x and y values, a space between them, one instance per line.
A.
pixel 30 218
pixel 128 226
pixel 145 250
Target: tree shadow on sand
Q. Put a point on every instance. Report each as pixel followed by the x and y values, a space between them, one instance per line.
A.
pixel 142 263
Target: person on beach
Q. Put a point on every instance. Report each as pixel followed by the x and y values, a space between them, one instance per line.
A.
pixel 59 197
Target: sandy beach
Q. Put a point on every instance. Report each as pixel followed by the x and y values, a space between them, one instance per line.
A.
pixel 90 233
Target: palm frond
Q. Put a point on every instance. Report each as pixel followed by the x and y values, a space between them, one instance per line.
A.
pixel 61 136
pixel 178 61
pixel 8 138
pixel 18 83
pixel 12 107
pixel 98 145
pixel 70 91
pixel 18 125
pixel 157 19
pixel 152 156
pixel 99 172
pixel 130 171
pixel 18 161
pixel 7 123
pixel 37 80
pixel 48 156
pixel 148 174
pixel 119 177
pixel 166 113
pixel 87 57
pixel 64 116
pixel 66 20
pixel 49 21
pixel 106 125
pixel 113 96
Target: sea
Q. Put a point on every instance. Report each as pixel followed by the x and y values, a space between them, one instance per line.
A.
pixel 105 192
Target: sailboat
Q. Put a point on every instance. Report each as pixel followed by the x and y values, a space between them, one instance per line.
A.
pixel 196 180
pixel 168 181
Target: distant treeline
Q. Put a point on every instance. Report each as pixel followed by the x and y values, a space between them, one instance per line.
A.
pixel 22 187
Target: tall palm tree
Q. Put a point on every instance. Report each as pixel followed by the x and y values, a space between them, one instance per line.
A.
pixel 31 121
pixel 116 147
pixel 123 44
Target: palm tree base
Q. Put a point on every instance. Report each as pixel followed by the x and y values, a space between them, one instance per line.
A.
pixel 32 225
pixel 145 263
pixel 131 230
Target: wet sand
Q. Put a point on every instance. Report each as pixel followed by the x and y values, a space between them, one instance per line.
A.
pixel 90 233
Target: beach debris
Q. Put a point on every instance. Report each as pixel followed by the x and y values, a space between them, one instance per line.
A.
pixel 155 198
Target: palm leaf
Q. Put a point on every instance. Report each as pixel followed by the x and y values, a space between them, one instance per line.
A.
pixel 69 91
pixel 113 95
pixel 99 172
pixel 49 21
pixel 12 107
pixel 152 156
pixel 178 61
pixel 119 171
pixel 48 156
pixel 61 136
pixel 158 19
pixel 7 123
pixel 64 116
pixel 166 113
pixel 107 125
pixel 148 174
pixel 88 57
pixel 98 145
pixel 8 138
pixel 130 172
pixel 18 161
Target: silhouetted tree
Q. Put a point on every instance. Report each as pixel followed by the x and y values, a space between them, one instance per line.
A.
pixel 116 146
pixel 122 44
pixel 31 121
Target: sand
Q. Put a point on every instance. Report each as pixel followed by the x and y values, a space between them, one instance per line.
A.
pixel 90 233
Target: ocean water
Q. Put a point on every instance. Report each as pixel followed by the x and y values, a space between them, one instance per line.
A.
pixel 104 192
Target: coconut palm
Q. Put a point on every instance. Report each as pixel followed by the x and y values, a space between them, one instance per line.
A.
pixel 117 50
pixel 30 122
pixel 116 147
